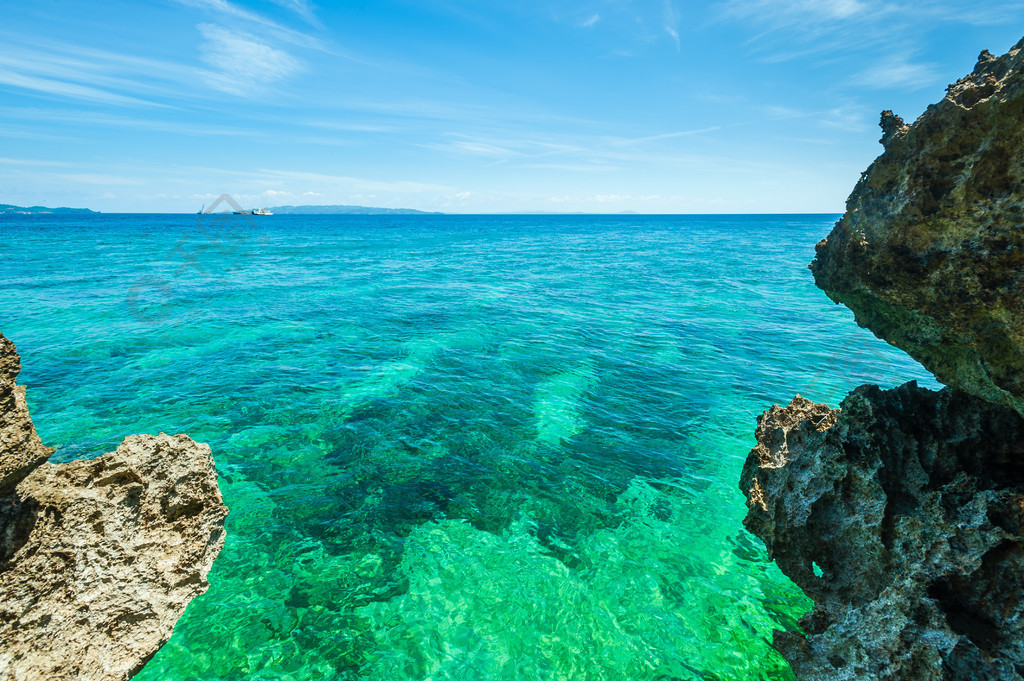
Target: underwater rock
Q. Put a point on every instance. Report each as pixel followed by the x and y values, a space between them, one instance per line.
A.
pixel 930 252
pixel 902 515
pixel 98 558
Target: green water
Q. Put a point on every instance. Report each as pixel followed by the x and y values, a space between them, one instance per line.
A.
pixel 453 447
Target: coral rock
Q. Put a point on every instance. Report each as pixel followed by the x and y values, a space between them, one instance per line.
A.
pixel 930 252
pixel 21 451
pixel 902 513
pixel 98 558
pixel 902 516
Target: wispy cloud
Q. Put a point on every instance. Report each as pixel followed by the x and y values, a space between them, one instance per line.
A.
pixel 63 89
pixel 898 72
pixel 573 168
pixel 67 117
pixel 592 21
pixel 845 118
pixel 515 146
pixel 102 179
pixel 794 29
pixel 965 12
pixel 275 30
pixel 21 133
pixel 794 11
pixel 345 126
pixel 241 63
pixel 581 152
pixel 358 183
pixel 671 23
pixel 32 162
pixel 666 135
pixel 76 72
pixel 484 149
pixel 301 7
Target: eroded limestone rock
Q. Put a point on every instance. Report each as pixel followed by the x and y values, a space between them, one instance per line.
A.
pixel 902 513
pixel 909 504
pixel 21 450
pixel 930 252
pixel 98 558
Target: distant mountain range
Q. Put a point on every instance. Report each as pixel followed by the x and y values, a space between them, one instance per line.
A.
pixel 345 210
pixel 30 210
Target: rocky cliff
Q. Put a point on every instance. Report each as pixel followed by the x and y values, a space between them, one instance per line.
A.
pixel 902 517
pixel 930 252
pixel 98 558
pixel 902 513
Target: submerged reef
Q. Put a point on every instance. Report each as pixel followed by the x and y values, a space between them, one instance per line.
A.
pixel 902 513
pixel 98 558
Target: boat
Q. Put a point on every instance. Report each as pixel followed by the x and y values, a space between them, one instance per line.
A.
pixel 202 211
pixel 261 211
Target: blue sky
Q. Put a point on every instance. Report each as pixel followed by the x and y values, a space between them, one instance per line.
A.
pixel 654 106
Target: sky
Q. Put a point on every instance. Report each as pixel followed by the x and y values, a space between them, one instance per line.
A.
pixel 598 106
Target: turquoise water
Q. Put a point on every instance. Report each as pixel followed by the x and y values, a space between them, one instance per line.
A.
pixel 454 447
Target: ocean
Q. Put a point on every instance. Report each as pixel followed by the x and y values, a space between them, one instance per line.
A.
pixel 454 447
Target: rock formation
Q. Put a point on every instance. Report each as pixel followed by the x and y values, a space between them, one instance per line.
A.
pixel 930 252
pixel 98 558
pixel 902 513
pixel 913 516
pixel 21 451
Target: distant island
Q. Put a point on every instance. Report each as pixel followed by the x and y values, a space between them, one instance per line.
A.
pixel 345 210
pixel 556 212
pixel 33 210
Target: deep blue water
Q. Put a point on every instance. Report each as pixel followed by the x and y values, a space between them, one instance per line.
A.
pixel 454 447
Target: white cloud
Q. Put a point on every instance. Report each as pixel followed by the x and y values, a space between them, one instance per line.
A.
pixel 673 33
pixel 60 88
pixel 839 9
pixel 591 21
pixel 898 72
pixel 671 24
pixel 569 167
pixel 241 62
pixel 101 179
pixel 845 118
pixel 338 181
pixel 31 162
pixel 122 122
pixel 790 11
pixel 77 72
pixel 667 135
pixel 795 29
pixel 483 149
pixel 301 7
pixel 266 25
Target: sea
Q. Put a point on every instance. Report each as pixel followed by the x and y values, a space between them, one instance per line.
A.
pixel 453 447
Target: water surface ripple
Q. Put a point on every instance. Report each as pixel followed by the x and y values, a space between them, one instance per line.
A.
pixel 468 447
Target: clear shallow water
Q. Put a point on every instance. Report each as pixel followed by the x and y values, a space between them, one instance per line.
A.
pixel 453 447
